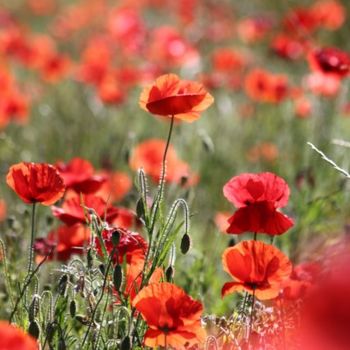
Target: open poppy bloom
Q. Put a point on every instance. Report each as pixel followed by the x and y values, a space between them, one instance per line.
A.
pixel 78 174
pixel 36 182
pixel 169 96
pixel 74 210
pixel 258 268
pixel 173 317
pixel 13 338
pixel 149 154
pixel 257 197
pixel 330 61
pixel 63 242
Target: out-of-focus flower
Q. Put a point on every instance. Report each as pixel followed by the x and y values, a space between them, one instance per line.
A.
pixel 127 28
pixel 254 29
pixel 322 84
pixel 265 151
pixel 170 96
pixel 257 267
pixel 263 86
pixel 257 197
pixel 221 220
pixel 173 317
pixel 3 210
pixel 330 61
pixel 13 338
pixel 330 14
pixel 149 154
pixel 301 21
pixel 169 49
pixel 116 186
pixel 300 281
pixel 79 175
pixel 75 209
pixel 286 46
pixel 62 243
pixel 36 182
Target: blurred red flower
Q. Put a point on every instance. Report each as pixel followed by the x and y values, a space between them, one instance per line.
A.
pixel 330 61
pixel 258 267
pixel 36 182
pixel 288 47
pixel 170 96
pixel 116 186
pixel 3 210
pixel 330 14
pixel 75 209
pixel 149 154
pixel 13 338
pixel 257 197
pixel 79 175
pixel 63 241
pixel 173 317
pixel 253 29
pixel 262 86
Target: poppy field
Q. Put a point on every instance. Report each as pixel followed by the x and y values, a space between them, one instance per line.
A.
pixel 174 175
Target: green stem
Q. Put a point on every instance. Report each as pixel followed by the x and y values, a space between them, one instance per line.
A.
pixel 32 237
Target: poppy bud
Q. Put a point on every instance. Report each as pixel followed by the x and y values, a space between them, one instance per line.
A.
pixel 126 343
pixel 62 285
pixel 231 242
pixel 50 331
pixel 185 243
pixel 82 319
pixel 117 277
pixel 169 273
pixel 140 209
pixel 115 237
pixel 102 269
pixel 34 329
pixel 73 308
pixel 90 258
pixel 33 308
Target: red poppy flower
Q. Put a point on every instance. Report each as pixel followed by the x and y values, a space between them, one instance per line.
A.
pixel 258 196
pixel 149 154
pixel 258 268
pixel 323 84
pixel 169 48
pixel 254 29
pixel 117 185
pixel 13 338
pixel 170 96
pixel 64 242
pixel 3 210
pixel 301 21
pixel 173 318
pixel 288 47
pixel 130 244
pixel 330 61
pixel 78 174
pixel 36 182
pixel 73 209
pixel 262 86
pixel 330 14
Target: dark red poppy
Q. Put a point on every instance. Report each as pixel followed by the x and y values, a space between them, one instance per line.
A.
pixel 170 96
pixel 36 182
pixel 257 267
pixel 13 338
pixel 258 196
pixel 330 61
pixel 76 209
pixel 130 244
pixel 173 317
pixel 79 175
